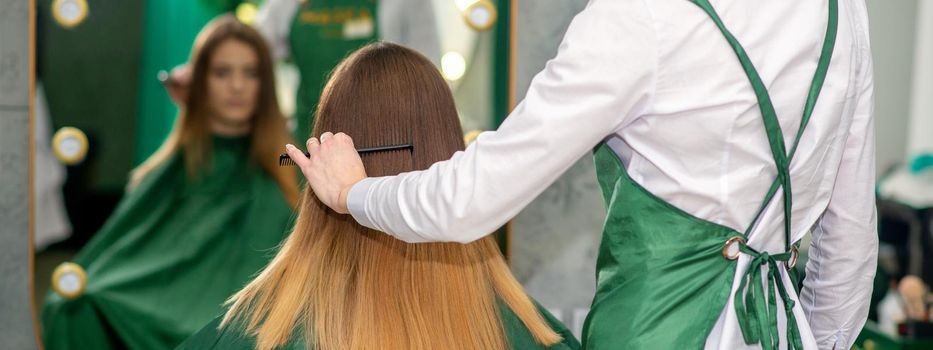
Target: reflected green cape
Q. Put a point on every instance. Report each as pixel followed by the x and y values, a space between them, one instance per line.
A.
pixel 174 249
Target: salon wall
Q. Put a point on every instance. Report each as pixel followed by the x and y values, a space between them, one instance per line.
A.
pixel 16 322
pixel 893 27
pixel 555 239
pixel 920 125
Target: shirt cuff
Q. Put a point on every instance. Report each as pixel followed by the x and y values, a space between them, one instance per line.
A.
pixel 356 202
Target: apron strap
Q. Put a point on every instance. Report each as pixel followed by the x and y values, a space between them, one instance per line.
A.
pixel 816 86
pixel 757 312
pixel 758 320
pixel 769 116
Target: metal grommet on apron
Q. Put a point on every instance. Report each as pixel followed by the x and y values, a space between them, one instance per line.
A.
pixel 792 261
pixel 733 247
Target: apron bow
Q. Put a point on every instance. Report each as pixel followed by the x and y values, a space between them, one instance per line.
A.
pixel 757 312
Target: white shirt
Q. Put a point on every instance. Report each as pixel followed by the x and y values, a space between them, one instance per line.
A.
pixel 658 82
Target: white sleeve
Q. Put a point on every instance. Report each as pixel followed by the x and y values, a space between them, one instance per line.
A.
pixel 844 252
pixel 274 22
pixel 601 78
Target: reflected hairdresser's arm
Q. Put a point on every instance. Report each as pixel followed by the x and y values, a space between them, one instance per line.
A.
pixel 274 22
pixel 411 23
pixel 176 84
pixel 601 77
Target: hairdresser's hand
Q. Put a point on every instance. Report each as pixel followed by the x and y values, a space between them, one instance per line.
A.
pixel 177 82
pixel 333 168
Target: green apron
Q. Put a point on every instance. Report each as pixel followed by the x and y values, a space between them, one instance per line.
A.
pixel 172 252
pixel 664 276
pixel 233 338
pixel 322 33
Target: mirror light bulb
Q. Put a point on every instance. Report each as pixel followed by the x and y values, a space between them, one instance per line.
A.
pixel 453 66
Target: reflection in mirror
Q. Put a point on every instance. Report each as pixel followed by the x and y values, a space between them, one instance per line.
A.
pixel 69 145
pixel 467 64
pixel 69 13
pixel 69 280
pixel 479 15
pixel 197 215
pixel 143 127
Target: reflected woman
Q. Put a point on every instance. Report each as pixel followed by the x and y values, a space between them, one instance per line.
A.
pixel 200 215
pixel 338 285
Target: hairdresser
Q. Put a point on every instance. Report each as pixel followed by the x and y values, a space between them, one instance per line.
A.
pixel 723 132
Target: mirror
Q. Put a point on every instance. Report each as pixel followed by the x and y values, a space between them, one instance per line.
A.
pixel 102 107
pixel 468 64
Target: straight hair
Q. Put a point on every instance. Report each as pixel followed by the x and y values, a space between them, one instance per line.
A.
pixel 345 286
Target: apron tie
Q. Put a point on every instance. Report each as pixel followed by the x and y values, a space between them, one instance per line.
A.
pixel 757 312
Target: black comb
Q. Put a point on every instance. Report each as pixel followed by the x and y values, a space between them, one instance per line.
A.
pixel 285 160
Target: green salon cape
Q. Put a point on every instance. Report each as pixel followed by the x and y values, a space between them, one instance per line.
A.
pixel 174 249
pixel 232 337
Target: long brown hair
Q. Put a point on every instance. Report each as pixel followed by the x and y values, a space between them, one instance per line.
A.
pixel 349 287
pixel 192 135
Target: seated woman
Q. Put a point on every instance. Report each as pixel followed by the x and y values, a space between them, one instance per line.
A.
pixel 338 285
pixel 200 216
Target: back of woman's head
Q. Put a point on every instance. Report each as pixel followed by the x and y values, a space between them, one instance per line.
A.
pixel 386 94
pixel 351 287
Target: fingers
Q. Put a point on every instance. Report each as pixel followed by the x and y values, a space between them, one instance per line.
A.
pixel 177 84
pixel 344 138
pixel 313 145
pixel 326 136
pixel 333 167
pixel 339 137
pixel 296 155
pixel 181 75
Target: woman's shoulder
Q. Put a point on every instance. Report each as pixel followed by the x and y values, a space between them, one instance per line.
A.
pixel 231 336
pixel 521 338
pixel 213 336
